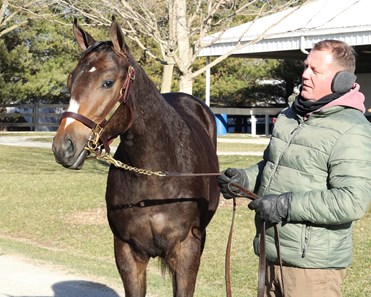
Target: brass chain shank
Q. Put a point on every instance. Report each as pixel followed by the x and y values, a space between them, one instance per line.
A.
pixel 109 159
pixel 92 148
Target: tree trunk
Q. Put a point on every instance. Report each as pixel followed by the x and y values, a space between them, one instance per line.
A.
pixel 184 48
pixel 185 84
pixel 167 78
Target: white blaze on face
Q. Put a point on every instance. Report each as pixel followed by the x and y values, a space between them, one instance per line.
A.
pixel 73 107
pixel 92 69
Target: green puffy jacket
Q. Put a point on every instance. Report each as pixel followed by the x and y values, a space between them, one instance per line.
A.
pixel 325 161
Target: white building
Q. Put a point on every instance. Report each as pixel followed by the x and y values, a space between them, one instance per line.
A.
pixel 292 32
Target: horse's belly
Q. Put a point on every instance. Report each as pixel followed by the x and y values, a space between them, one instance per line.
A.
pixel 154 233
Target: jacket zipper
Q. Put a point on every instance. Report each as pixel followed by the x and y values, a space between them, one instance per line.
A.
pixel 297 129
pixel 293 133
pixel 306 241
pixel 307 228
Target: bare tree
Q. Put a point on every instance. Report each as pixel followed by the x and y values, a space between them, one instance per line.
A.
pixel 7 17
pixel 177 27
pixel 15 14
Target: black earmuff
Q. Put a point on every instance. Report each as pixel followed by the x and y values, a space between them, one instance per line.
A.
pixel 343 81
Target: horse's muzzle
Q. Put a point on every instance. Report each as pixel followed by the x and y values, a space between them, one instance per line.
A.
pixel 65 153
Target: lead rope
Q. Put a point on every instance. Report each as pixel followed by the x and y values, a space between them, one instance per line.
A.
pixel 262 247
pixel 278 247
pixel 227 269
pixel 262 262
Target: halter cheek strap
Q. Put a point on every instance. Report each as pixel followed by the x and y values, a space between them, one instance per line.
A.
pixel 98 129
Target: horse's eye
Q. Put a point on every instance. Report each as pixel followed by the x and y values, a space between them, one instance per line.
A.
pixel 108 84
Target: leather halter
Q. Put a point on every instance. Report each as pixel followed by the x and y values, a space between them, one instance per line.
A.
pixel 98 129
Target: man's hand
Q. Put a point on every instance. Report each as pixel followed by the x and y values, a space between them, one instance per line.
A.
pixel 272 208
pixel 232 175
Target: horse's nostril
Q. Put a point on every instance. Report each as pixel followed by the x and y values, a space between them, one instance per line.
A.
pixel 69 146
pixel 63 150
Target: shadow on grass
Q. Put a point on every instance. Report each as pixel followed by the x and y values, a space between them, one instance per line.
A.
pixel 80 288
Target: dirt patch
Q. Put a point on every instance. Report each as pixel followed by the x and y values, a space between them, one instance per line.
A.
pixel 95 217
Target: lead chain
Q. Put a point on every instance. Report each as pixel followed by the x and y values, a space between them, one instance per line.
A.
pixel 109 159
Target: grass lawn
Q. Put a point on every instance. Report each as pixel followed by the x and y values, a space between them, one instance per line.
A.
pixel 56 215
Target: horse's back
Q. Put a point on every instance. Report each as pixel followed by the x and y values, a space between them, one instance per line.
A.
pixel 194 112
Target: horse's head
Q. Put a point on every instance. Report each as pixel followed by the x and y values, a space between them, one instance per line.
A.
pixel 99 88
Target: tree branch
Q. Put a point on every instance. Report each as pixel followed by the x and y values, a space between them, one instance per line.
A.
pixel 239 45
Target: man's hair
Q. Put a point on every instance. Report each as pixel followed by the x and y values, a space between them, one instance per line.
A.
pixel 343 54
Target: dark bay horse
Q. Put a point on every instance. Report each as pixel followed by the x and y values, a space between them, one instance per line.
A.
pixel 149 215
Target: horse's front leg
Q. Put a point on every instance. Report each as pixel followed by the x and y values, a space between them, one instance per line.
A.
pixel 185 262
pixel 132 270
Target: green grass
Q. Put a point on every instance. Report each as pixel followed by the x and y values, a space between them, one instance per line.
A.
pixel 52 214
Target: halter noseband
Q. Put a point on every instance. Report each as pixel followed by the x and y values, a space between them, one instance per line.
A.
pixel 98 129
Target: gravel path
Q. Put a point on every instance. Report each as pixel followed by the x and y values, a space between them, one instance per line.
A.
pixel 25 141
pixel 20 277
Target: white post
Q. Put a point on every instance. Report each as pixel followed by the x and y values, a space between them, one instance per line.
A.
pixel 207 92
pixel 253 124
pixel 266 124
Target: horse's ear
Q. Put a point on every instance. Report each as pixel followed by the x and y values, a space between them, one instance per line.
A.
pixel 117 37
pixel 83 38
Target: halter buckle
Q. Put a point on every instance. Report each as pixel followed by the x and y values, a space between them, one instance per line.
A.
pixel 93 142
pixel 131 72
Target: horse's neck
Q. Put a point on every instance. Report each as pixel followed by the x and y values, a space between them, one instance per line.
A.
pixel 150 106
pixel 153 120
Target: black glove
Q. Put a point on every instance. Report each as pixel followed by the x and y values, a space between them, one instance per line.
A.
pixel 272 208
pixel 232 175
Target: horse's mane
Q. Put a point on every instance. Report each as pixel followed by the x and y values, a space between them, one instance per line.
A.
pixel 97 46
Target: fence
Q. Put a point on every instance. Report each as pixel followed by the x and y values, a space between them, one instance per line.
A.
pixel 30 117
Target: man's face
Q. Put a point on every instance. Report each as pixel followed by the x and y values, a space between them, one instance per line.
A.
pixel 318 74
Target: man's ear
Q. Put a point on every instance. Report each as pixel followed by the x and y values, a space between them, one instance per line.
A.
pixel 342 82
pixel 83 38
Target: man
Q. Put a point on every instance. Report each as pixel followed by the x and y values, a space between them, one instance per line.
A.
pixel 315 179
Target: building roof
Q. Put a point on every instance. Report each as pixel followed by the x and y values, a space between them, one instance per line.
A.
pixel 290 32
